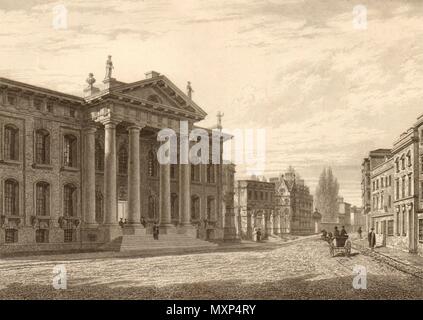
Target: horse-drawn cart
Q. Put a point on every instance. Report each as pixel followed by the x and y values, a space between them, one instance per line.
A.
pixel 340 244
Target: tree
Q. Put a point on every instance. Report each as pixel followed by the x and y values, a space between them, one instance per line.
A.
pixel 327 195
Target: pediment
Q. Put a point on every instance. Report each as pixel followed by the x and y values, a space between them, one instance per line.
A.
pixel 161 91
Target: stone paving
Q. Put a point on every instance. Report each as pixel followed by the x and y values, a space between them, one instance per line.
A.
pixel 301 270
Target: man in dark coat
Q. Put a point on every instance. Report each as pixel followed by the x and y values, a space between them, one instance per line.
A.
pixel 372 238
pixel 343 232
pixel 156 231
pixel 336 232
pixel 258 235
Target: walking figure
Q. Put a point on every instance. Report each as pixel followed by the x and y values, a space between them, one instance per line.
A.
pixel 359 231
pixel 372 238
pixel 156 231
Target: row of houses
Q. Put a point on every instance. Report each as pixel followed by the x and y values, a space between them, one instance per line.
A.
pixel 392 191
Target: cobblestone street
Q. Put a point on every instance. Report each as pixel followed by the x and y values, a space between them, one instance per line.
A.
pixel 302 270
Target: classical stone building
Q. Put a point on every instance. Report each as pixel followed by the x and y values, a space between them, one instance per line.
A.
pixel 254 202
pixel 294 204
pixel 79 173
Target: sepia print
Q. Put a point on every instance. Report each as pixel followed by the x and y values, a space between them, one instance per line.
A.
pixel 211 150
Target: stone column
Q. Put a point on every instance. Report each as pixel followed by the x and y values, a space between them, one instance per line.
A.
pixel 185 195
pixel 165 214
pixel 110 196
pixel 134 203
pixel 89 174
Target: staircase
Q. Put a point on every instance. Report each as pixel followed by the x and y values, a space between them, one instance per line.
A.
pixel 145 242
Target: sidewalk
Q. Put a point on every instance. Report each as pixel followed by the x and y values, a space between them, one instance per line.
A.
pixel 401 260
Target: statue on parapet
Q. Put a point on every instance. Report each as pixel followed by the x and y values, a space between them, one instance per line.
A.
pixel 109 68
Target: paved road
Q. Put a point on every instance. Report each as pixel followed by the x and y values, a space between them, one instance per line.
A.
pixel 302 270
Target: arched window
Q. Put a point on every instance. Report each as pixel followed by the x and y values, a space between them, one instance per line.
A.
pixel 152 164
pixel 123 160
pixel 69 151
pixel 195 172
pixel 98 207
pixel 42 147
pixel 211 208
pixel 211 177
pixel 11 142
pixel 69 200
pixel 152 210
pixel 11 197
pixel 99 156
pixel 195 207
pixel 174 209
pixel 154 98
pixel 42 198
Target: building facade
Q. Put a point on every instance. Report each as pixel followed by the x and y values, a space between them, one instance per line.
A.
pixel 396 193
pixel 294 203
pixel 77 172
pixel 254 202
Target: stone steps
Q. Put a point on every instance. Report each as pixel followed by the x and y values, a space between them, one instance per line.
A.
pixel 146 242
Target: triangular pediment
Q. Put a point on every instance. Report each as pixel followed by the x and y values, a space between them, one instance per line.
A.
pixel 160 90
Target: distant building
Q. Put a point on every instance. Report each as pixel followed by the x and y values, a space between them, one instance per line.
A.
pixel 343 216
pixel 294 204
pixel 357 219
pixel 255 207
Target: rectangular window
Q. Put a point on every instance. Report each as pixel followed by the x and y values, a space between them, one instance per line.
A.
pixel 381 182
pixel 38 104
pixel 410 185
pixel 390 227
pixel 389 201
pixel 11 235
pixel 421 229
pixel 403 187
pixel 390 180
pixel 11 99
pixel 397 189
pixel 50 107
pixel 41 236
pixel 70 235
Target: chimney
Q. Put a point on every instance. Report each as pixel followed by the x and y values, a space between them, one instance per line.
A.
pixel 151 74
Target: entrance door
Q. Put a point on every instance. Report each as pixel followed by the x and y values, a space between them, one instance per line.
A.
pixel 122 210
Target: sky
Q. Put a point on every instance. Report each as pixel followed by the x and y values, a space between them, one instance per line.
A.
pixel 325 84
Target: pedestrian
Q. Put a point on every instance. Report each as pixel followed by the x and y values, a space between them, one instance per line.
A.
pixel 156 231
pixel 121 223
pixel 359 231
pixel 336 232
pixel 372 238
pixel 258 235
pixel 343 232
pixel 143 222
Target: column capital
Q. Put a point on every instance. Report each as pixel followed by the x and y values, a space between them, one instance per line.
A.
pixel 90 129
pixel 135 127
pixel 110 123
